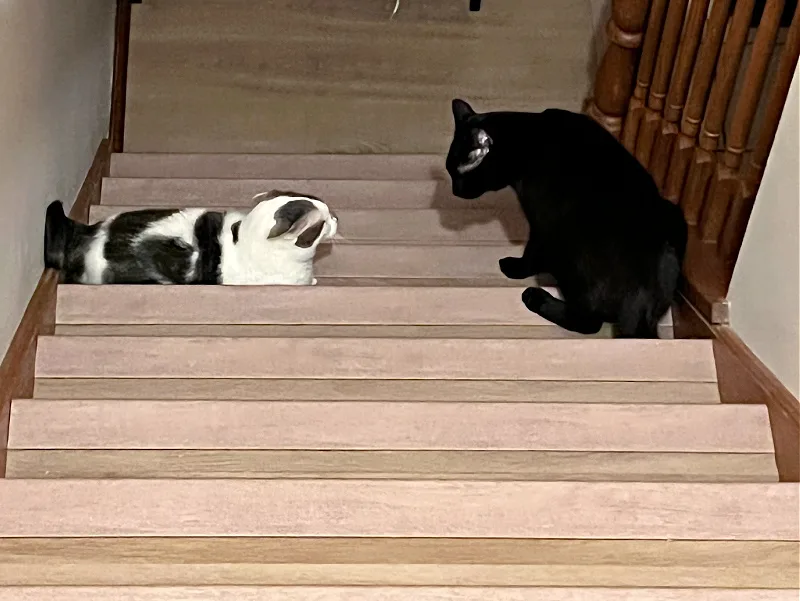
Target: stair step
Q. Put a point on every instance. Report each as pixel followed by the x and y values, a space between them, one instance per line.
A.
pixel 310 311
pixel 406 226
pixel 273 425
pixel 340 193
pixel 527 391
pixel 384 508
pixel 283 166
pixel 376 359
pixel 611 466
pixel 360 593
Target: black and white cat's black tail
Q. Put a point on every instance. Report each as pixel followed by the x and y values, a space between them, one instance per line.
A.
pixel 58 231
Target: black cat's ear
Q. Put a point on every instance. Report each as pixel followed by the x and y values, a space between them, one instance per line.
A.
pixel 462 110
pixel 298 219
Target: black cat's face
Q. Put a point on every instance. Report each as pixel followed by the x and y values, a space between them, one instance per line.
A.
pixel 471 161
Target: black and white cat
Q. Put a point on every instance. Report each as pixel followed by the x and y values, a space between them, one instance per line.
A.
pixel 274 243
pixel 598 223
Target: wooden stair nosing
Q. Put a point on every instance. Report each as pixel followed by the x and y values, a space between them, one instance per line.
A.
pixel 291 305
pixel 375 358
pixel 284 166
pixel 395 465
pixel 259 593
pixel 537 391
pixel 340 194
pixel 384 508
pixel 338 425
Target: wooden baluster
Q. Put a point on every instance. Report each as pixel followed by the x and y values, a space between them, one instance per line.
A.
pixel 742 205
pixel 614 78
pixel 683 149
pixel 702 167
pixel 652 36
pixel 678 88
pixel 661 76
pixel 726 176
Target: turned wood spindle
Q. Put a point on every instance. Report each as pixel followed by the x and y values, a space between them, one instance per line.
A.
pixel 661 76
pixel 701 168
pixel 614 79
pixel 678 89
pixel 647 62
pixel 723 185
pixel 695 106
pixel 742 205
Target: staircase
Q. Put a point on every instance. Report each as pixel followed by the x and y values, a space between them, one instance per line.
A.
pixel 404 431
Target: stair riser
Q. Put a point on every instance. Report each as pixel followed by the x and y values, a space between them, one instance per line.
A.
pixel 407 226
pixel 396 465
pixel 341 194
pixel 283 166
pixel 378 390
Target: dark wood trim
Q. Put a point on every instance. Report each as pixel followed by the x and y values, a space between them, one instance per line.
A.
pixel 17 368
pixel 119 86
pixel 707 278
pixel 743 378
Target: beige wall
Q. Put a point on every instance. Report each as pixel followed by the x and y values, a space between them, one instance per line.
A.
pixel 764 294
pixel 55 73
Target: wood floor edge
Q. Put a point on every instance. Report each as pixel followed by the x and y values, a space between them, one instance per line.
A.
pixel 17 367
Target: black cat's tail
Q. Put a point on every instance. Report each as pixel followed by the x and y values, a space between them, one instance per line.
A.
pixel 58 230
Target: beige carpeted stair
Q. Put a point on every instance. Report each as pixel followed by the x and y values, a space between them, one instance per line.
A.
pixel 404 431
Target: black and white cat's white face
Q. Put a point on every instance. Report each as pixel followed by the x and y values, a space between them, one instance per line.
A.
pixel 288 222
pixel 471 161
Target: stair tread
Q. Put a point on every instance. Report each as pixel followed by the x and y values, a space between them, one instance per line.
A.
pixel 405 226
pixel 356 593
pixel 288 166
pixel 395 465
pixel 339 193
pixel 243 425
pixel 375 358
pixel 552 510
pixel 291 305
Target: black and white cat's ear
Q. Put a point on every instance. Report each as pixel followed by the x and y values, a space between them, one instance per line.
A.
pixel 462 110
pixel 300 220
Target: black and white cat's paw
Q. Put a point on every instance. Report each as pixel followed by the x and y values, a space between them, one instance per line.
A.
pixel 515 268
pixel 535 298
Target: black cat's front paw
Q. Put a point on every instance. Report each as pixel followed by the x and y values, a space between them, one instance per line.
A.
pixel 534 298
pixel 515 268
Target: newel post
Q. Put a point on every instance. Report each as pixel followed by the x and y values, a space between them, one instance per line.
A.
pixel 615 76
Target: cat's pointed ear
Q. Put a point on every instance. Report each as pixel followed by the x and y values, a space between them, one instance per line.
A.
pixel 300 220
pixel 462 110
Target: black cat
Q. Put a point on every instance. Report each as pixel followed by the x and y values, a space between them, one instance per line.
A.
pixel 598 224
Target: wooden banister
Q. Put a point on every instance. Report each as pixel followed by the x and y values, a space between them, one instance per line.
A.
pixel 614 79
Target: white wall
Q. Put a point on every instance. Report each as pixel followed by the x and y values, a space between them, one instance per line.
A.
pixel 55 77
pixel 764 294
